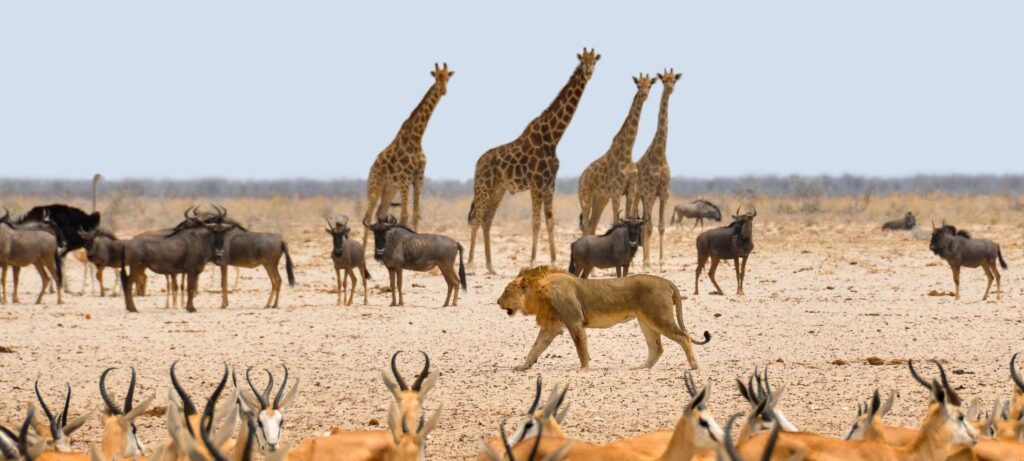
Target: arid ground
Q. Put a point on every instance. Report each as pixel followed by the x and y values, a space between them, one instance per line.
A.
pixel 826 291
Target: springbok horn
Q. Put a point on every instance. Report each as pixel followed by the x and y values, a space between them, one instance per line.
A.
pixel 536 396
pixel 46 411
pixel 259 397
pixel 690 387
pixel 23 444
pixel 280 392
pixel 536 442
pixel 1017 380
pixel 767 385
pixel 398 376
pixel 187 406
pixel 111 405
pixel 131 393
pixel 6 449
pixel 270 386
pixel 917 377
pixel 63 416
pixel 954 397
pixel 423 374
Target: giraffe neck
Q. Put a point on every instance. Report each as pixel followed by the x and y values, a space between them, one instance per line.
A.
pixel 414 126
pixel 657 148
pixel 623 143
pixel 552 123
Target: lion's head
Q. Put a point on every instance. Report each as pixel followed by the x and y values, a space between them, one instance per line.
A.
pixel 523 294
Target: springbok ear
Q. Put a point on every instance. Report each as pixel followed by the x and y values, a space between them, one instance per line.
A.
pixel 249 404
pixel 139 409
pixel 390 384
pixel 395 422
pixel 561 415
pixel 431 423
pixel 290 396
pixel 227 426
pixel 488 452
pixel 697 401
pixel 428 384
pixel 76 423
pixel 560 453
pixel 94 453
pixel 887 405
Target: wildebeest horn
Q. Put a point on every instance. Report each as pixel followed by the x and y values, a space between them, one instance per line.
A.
pixel 280 392
pixel 330 225
pixel 187 210
pixel 112 407
pixel 1015 374
pixel 754 213
pixel 366 222
pixel 398 376
pixel 390 219
pixel 259 397
pixel 423 374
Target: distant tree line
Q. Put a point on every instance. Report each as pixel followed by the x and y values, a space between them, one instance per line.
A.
pixel 789 186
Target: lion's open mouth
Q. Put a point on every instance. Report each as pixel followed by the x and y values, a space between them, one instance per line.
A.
pixel 510 312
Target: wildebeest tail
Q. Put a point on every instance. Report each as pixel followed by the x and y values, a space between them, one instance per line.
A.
pixel 462 271
pixel 678 300
pixel 59 269
pixel 288 266
pixel 572 263
pixel 1002 262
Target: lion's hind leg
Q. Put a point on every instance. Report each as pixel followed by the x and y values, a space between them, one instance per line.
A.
pixel 579 338
pixel 665 325
pixel 654 347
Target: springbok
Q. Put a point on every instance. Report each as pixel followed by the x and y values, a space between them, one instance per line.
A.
pixel 56 429
pixel 556 447
pixel 269 414
pixel 410 398
pixel 550 417
pixel 347 255
pixel 20 447
pixel 120 436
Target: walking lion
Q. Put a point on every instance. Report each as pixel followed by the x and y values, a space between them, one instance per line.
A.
pixel 560 301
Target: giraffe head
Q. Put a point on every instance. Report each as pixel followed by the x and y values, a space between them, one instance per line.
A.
pixel 588 59
pixel 441 76
pixel 643 84
pixel 669 78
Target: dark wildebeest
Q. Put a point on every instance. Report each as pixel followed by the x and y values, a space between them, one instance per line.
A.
pixel 68 219
pixel 960 250
pixel 186 250
pixel 399 248
pixel 103 249
pixel 30 243
pixel 697 210
pixel 734 241
pixel 907 222
pixel 235 246
pixel 348 255
pixel 615 248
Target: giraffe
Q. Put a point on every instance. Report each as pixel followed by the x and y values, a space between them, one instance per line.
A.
pixel 403 162
pixel 653 172
pixel 529 163
pixel 607 177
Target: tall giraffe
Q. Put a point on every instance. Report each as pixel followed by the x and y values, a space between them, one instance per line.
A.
pixel 607 177
pixel 528 163
pixel 403 162
pixel 653 171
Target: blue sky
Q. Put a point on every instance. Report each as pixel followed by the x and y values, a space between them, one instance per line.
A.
pixel 260 89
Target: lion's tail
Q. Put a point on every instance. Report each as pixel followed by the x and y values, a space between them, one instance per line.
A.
pixel 678 300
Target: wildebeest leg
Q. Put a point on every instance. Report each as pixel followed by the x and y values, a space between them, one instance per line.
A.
pixel 625 269
pixel 999 285
pixel 394 289
pixel 275 284
pixel 51 267
pixel 3 284
pixel 452 279
pixel 224 286
pixel 544 338
pixel 46 281
pixel 989 276
pixel 129 290
pixel 695 221
pixel 586 272
pixel 341 288
pixel 363 275
pixel 701 259
pixel 401 296
pixel 618 271
pixel 99 280
pixel 579 338
pixel 351 275
pixel 739 276
pixel 191 286
pixel 956 280
pixel 17 273
pixel 175 289
pixel 549 221
pixel 169 292
pixel 743 272
pixel 654 347
pixel 711 275
pixel 238 275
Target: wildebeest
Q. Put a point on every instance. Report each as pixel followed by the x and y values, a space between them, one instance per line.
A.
pixel 907 222
pixel 103 249
pixel 734 241
pixel 31 243
pixel 698 210
pixel 185 250
pixel 959 249
pixel 347 255
pixel 235 246
pixel 401 248
pixel 68 219
pixel 615 248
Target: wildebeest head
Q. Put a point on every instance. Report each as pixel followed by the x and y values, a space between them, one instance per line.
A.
pixel 634 230
pixel 744 223
pixel 941 235
pixel 380 232
pixel 909 220
pixel 339 231
pixel 89 239
pixel 712 211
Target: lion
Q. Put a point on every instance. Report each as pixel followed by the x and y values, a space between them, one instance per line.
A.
pixel 560 301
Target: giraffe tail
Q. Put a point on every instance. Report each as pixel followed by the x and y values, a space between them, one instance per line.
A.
pixel 472 210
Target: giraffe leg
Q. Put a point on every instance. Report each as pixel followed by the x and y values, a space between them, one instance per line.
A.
pixel 661 227
pixel 488 219
pixel 585 211
pixel 536 202
pixel 417 188
pixel 373 196
pixel 549 221
pixel 648 230
pixel 597 209
pixel 404 200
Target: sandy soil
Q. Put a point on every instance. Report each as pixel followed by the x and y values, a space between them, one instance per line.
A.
pixel 817 292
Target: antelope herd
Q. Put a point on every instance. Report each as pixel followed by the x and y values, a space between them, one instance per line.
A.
pixel 250 422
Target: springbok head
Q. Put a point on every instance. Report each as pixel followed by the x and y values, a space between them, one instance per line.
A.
pixel 551 416
pixel 509 445
pixel 119 422
pixel 270 414
pixel 409 398
pixel 59 428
